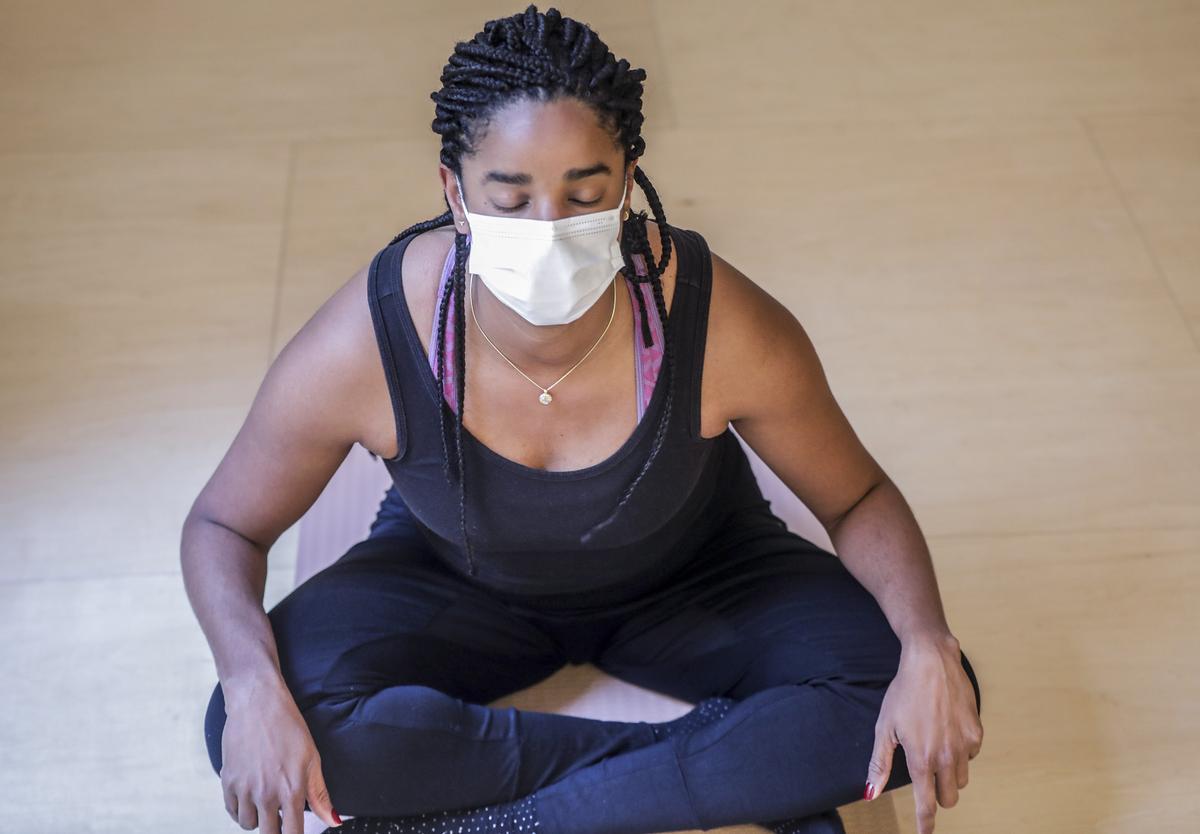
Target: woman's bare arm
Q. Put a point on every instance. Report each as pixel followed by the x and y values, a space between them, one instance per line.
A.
pixel 308 411
pixel 313 404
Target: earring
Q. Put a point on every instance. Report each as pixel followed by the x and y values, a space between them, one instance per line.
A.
pixel 625 216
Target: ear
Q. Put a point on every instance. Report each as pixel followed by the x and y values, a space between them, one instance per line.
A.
pixel 453 199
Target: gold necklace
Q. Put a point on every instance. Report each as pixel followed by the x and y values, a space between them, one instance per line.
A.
pixel 544 398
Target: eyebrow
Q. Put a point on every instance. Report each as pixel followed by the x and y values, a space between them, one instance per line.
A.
pixel 525 179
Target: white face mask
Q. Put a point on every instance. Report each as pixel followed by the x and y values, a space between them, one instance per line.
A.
pixel 548 271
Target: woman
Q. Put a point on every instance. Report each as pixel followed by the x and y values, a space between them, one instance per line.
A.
pixel 566 513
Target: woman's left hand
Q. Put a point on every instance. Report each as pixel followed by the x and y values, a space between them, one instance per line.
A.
pixel 929 710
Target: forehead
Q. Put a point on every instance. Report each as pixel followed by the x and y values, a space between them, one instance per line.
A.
pixel 544 140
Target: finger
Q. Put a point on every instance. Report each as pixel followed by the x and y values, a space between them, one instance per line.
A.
pixel 961 771
pixel 879 769
pixel 247 812
pixel 231 801
pixel 947 784
pixel 976 741
pixel 318 797
pixel 924 796
pixel 293 814
pixel 268 817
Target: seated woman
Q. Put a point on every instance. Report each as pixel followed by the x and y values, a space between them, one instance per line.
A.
pixel 587 503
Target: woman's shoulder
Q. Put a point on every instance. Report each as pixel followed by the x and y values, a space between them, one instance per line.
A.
pixel 750 332
pixel 421 271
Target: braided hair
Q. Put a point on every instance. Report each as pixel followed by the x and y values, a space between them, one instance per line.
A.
pixel 542 57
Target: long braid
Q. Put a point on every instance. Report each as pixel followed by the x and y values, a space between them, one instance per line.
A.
pixel 460 384
pixel 541 57
pixel 416 228
pixel 425 225
pixel 443 306
pixel 655 277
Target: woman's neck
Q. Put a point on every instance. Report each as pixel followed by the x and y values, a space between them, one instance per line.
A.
pixel 543 349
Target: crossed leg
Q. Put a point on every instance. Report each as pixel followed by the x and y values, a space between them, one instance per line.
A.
pixel 781 626
pixel 391 659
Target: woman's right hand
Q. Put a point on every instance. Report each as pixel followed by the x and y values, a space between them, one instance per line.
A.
pixel 270 765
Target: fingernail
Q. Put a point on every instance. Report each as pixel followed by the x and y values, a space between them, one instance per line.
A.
pixel 869 793
pixel 336 818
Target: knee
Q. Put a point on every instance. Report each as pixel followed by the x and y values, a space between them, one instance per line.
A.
pixel 214 726
pixel 966 664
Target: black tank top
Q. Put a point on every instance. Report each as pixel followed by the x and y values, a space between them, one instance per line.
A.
pixel 525 523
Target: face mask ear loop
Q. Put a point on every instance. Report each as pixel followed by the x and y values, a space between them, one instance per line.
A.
pixel 461 200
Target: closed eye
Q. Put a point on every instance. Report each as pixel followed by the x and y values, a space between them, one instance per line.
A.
pixel 509 210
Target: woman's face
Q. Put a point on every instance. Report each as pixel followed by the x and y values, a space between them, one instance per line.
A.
pixel 541 161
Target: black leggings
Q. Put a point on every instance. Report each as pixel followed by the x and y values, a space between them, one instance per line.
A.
pixel 392 657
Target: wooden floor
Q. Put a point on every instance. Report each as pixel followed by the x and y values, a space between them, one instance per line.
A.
pixel 986 215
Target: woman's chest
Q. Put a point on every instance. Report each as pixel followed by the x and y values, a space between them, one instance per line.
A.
pixel 596 410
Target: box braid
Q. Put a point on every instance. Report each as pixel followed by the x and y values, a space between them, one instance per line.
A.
pixel 542 57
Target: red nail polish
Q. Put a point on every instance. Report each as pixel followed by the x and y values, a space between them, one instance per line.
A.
pixel 336 818
pixel 869 793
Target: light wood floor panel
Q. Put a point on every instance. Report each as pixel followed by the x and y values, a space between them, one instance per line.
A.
pixel 164 74
pixel 111 680
pixel 868 60
pixel 137 296
pixel 1155 164
pixel 349 199
pixel 1084 648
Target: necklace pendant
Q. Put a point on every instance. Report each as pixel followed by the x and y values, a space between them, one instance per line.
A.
pixel 544 398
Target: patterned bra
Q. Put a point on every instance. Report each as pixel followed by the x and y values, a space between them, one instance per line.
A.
pixel 647 360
